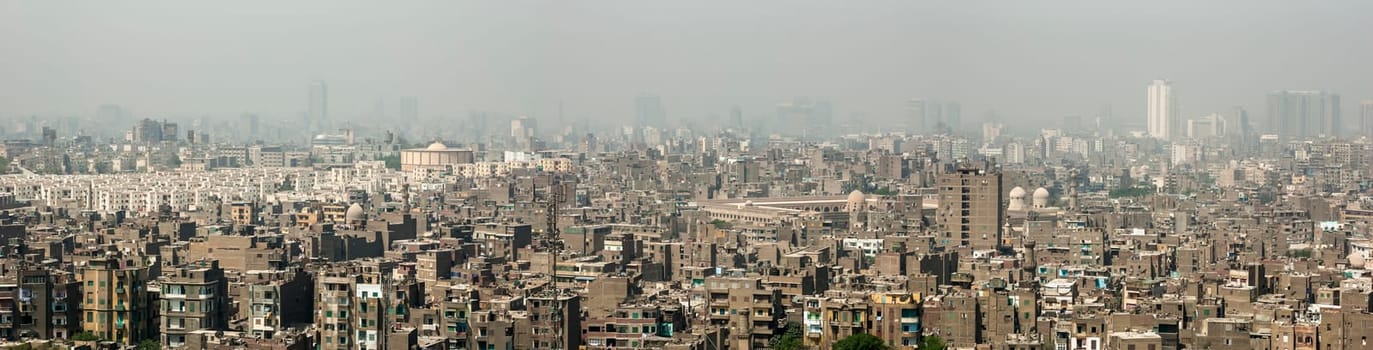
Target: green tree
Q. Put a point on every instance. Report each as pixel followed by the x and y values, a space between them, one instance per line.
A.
pixel 85 336
pixel 149 344
pixel 392 161
pixel 101 167
pixel 721 224
pixel 861 341
pixel 790 339
pixel 932 342
pixel 1300 253
pixel 885 191
pixel 1139 191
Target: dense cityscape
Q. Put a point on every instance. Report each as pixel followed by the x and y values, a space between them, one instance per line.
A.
pixel 815 222
pixel 1204 232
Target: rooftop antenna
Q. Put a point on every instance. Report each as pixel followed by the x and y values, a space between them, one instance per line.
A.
pixel 554 244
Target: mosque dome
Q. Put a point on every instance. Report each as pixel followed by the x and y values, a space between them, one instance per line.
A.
pixel 354 213
pixel 436 146
pixel 1017 199
pixel 1041 198
pixel 1356 260
pixel 856 201
pixel 1018 192
pixel 856 197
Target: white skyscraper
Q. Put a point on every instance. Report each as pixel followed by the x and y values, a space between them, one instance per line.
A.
pixel 1163 110
pixel 318 110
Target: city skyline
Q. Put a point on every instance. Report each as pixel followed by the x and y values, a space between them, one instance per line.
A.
pixel 688 175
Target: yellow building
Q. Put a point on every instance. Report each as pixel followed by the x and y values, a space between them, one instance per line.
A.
pixel 115 299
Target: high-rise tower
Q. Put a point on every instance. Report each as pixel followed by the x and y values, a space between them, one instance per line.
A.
pixel 409 109
pixel 1366 118
pixel 648 111
pixel 915 110
pixel 970 211
pixel 1303 114
pixel 318 109
pixel 1163 110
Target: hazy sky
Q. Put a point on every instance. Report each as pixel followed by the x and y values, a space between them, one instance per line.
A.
pixel 1026 59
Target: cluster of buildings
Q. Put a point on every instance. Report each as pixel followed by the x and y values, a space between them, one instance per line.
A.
pixel 1073 237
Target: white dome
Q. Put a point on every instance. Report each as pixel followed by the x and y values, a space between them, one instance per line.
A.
pixel 354 213
pixel 1356 260
pixel 1017 199
pixel 1041 198
pixel 436 146
pixel 1018 192
pixel 856 201
pixel 856 197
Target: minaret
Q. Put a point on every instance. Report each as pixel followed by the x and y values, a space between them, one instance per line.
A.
pixel 1072 198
